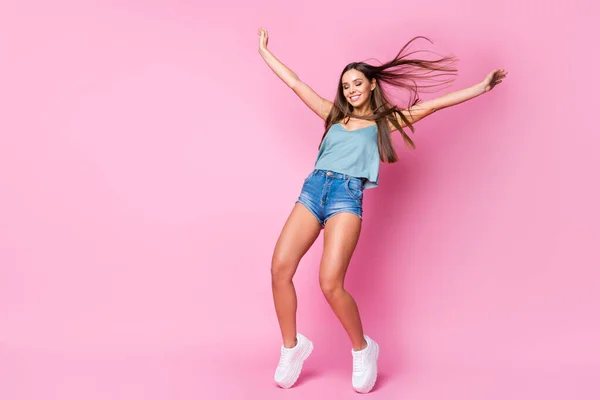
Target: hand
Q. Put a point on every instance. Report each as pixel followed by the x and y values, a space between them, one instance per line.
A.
pixel 264 39
pixel 492 79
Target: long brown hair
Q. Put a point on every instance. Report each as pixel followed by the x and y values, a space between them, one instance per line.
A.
pixel 401 72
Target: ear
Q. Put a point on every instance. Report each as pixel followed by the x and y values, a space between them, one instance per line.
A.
pixel 373 84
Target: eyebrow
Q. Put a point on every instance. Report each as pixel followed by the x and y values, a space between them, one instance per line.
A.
pixel 357 79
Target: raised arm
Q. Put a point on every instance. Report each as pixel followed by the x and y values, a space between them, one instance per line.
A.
pixel 425 108
pixel 316 103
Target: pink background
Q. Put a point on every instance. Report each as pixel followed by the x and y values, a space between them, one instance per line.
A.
pixel 149 158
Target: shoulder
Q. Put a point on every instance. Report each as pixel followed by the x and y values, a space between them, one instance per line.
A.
pixel 395 120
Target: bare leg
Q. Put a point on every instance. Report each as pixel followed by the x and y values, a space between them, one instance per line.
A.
pixel 341 236
pixel 299 233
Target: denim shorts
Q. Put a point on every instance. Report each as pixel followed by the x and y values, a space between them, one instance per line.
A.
pixel 327 193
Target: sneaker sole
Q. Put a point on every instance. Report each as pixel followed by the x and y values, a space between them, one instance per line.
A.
pixel 373 380
pixel 297 368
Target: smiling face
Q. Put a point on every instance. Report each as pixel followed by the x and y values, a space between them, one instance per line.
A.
pixel 357 88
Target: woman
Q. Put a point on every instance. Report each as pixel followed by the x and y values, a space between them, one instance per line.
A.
pixel 357 138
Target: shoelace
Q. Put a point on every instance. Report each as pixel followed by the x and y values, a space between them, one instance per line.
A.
pixel 358 364
pixel 285 356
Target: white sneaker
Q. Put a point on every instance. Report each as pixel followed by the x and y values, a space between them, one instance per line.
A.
pixel 364 371
pixel 290 362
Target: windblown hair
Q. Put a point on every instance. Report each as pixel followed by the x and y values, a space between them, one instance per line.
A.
pixel 411 74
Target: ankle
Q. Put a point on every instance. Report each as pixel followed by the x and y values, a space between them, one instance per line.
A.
pixel 289 344
pixel 361 346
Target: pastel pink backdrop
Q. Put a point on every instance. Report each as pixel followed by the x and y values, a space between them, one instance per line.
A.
pixel 149 158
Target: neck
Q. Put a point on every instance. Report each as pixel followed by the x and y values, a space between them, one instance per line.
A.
pixel 363 111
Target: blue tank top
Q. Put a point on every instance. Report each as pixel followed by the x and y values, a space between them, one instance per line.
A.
pixel 353 153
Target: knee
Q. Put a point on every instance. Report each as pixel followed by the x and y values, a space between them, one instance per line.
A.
pixel 282 270
pixel 331 288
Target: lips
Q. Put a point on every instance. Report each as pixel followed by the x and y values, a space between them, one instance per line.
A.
pixel 354 98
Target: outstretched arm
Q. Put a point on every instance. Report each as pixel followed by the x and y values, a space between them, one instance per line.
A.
pixel 316 103
pixel 425 108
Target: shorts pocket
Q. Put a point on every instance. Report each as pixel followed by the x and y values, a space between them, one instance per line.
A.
pixel 309 176
pixel 354 187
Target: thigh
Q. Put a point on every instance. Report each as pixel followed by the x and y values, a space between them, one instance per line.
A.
pixel 340 239
pixel 299 233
